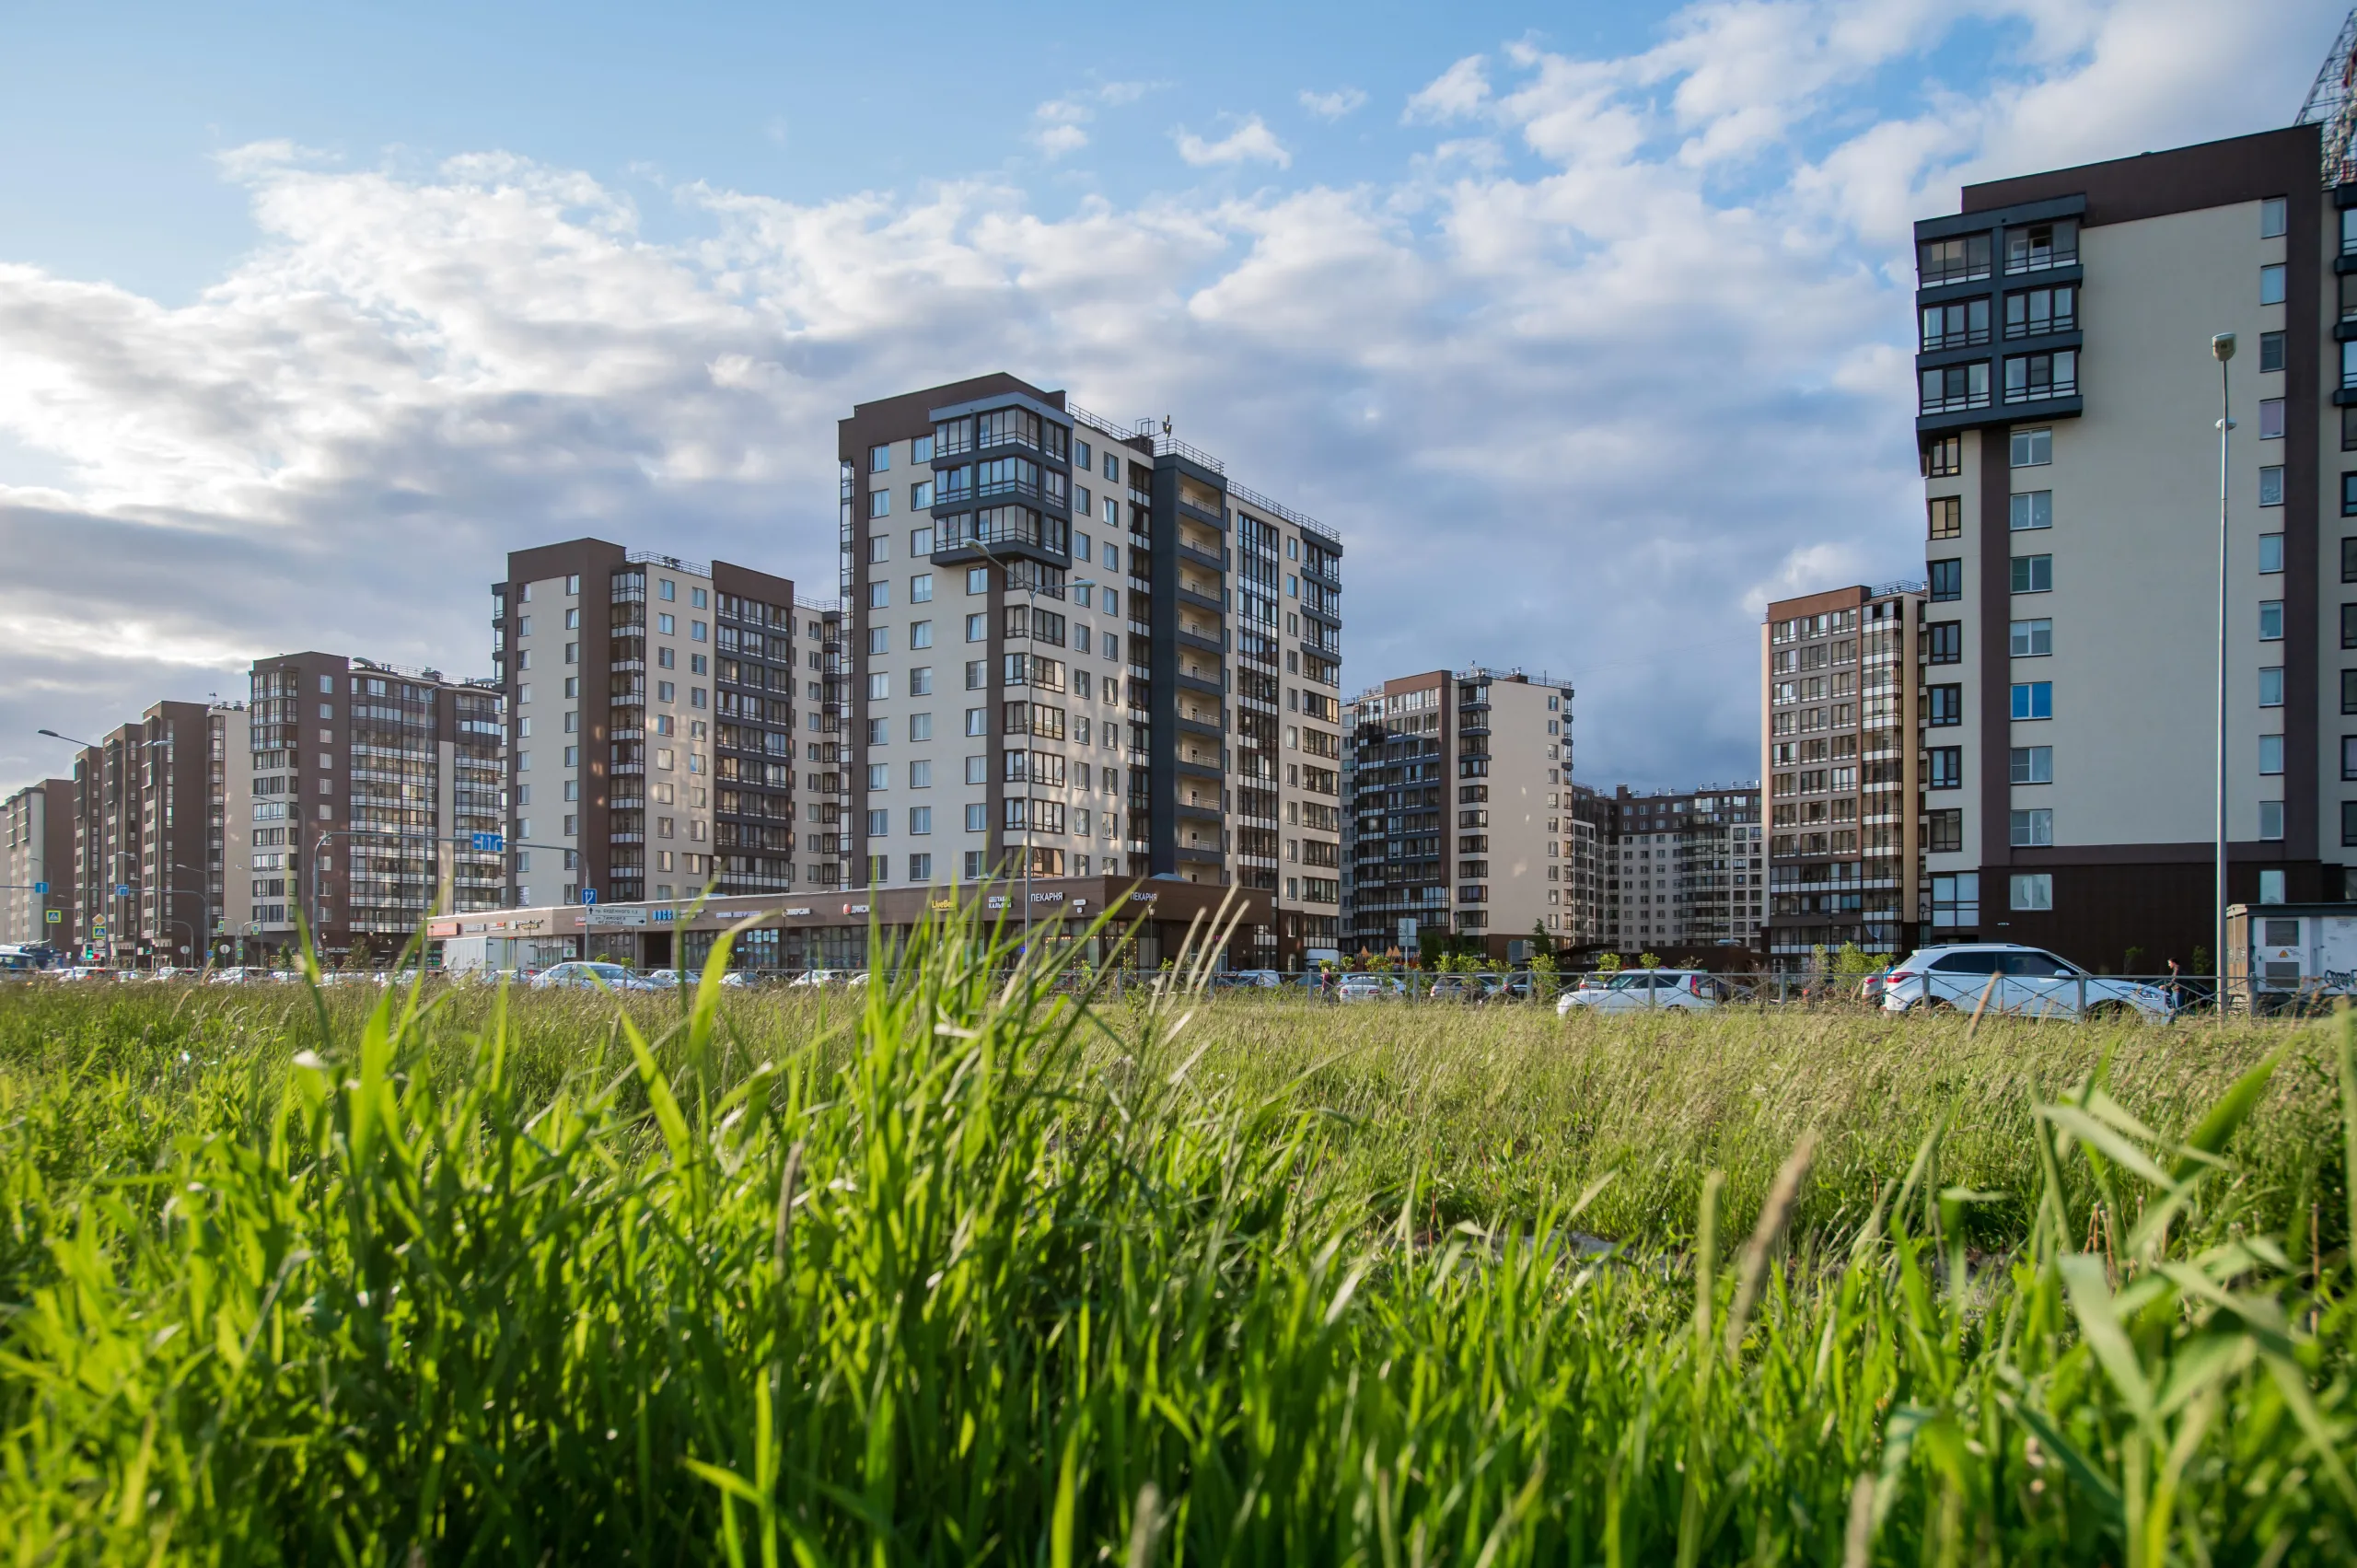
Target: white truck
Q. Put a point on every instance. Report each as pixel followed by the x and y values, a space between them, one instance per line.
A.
pixel 2281 956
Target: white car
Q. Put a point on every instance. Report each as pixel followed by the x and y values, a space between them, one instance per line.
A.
pixel 1369 988
pixel 1636 990
pixel 586 975
pixel 2018 981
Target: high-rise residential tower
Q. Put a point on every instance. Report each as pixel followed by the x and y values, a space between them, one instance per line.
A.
pixel 2067 413
pixel 1461 819
pixel 1841 681
pixel 1083 649
pixel 37 832
pixel 153 802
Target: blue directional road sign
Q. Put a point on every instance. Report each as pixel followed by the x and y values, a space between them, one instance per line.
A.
pixel 489 843
pixel 40 889
pixel 122 890
pixel 588 894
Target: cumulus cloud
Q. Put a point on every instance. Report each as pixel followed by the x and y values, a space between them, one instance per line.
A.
pixel 1059 125
pixel 1251 142
pixel 1333 105
pixel 1573 399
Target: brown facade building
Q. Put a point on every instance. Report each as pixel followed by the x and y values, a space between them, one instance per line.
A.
pixel 1841 677
pixel 1682 870
pixel 364 788
pixel 151 801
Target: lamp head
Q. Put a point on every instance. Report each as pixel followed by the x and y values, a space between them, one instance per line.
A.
pixel 2222 347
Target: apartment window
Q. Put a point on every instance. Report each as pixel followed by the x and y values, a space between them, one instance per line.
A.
pixel 880 460
pixel 2032 448
pixel 1951 387
pixel 2270 755
pixel 2031 509
pixel 2033 699
pixel 2271 283
pixel 921 588
pixel 977 770
pixel 2033 828
pixel 2033 574
pixel 879 824
pixel 879 685
pixel 2036 247
pixel 2349 691
pixel 920 496
pixel 2271 487
pixel 880 639
pixel 2349 480
pixel 2270 828
pixel 2271 686
pixel 2037 310
pixel 1944 766
pixel 2349 560
pixel 1946 516
pixel 978 816
pixel 978 579
pixel 1961 260
pixel 1961 324
pixel 1081 543
pixel 879 502
pixel 2272 218
pixel 879 776
pixel 879 549
pixel 2270 553
pixel 2032 765
pixel 920 728
pixel 2270 419
pixel 2348 757
pixel 2029 376
pixel 920 822
pixel 978 721
pixel 1943 457
pixel 879 732
pixel 2271 623
pixel 1944 834
pixel 2349 415
pixel 1948 580
pixel 2270 351
pixel 920 635
pixel 978 628
pixel 1943 641
pixel 977 674
pixel 2032 890
pixel 2032 639
pixel 920 542
pixel 2349 822
pixel 879 596
pixel 1943 705
pixel 665 625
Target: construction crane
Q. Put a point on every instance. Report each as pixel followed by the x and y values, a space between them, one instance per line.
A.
pixel 2333 103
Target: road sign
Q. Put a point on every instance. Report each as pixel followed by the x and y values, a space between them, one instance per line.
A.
pixel 40 889
pixel 489 843
pixel 122 890
pixel 588 894
pixel 55 916
pixel 1407 930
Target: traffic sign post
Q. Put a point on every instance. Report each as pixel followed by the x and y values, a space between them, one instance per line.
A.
pixel 588 894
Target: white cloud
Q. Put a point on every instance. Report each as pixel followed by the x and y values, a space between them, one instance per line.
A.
pixel 1057 125
pixel 1252 141
pixel 1333 105
pixel 1574 397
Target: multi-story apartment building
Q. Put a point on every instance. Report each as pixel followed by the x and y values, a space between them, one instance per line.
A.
pixel 37 834
pixel 1460 815
pixel 364 787
pixel 660 711
pixel 151 804
pixel 1842 678
pixel 1589 815
pixel 2067 417
pixel 1683 869
pixel 1084 650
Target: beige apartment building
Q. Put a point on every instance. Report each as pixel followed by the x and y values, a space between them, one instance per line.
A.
pixel 1460 812
pixel 2067 417
pixel 1683 870
pixel 1841 677
pixel 1083 649
pixel 37 873
pixel 666 720
pixel 356 791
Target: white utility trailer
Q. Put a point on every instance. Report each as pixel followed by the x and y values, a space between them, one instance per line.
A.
pixel 2280 955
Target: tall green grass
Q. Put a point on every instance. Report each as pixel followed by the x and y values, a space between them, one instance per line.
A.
pixel 966 1271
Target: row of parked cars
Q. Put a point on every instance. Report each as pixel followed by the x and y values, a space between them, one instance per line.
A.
pixel 1995 977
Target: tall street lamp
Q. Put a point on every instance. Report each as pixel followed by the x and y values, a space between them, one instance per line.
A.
pixel 2222 349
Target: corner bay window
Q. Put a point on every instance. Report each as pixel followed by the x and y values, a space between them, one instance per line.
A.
pixel 2041 310
pixel 1948 388
pixel 2029 376
pixel 1959 324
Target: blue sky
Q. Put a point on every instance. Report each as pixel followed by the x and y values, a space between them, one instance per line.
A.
pixel 1587 326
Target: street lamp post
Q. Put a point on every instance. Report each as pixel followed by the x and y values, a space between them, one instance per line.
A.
pixel 2222 349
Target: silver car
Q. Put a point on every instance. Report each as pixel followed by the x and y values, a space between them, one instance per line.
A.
pixel 2016 981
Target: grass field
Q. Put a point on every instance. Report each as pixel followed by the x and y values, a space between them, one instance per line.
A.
pixel 962 1272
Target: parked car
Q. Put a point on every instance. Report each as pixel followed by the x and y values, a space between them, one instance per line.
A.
pixel 1631 991
pixel 668 979
pixel 2017 981
pixel 1369 988
pixel 1249 980
pixel 587 974
pixel 238 974
pixel 1459 988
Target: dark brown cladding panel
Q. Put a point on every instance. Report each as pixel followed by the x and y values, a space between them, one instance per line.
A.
pixel 1817 603
pixel 2182 180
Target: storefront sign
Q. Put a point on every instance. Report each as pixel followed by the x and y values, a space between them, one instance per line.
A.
pixel 855 909
pixel 601 916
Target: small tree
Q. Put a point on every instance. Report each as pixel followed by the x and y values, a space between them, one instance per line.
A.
pixel 1610 963
pixel 1545 981
pixel 1852 962
pixel 1649 960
